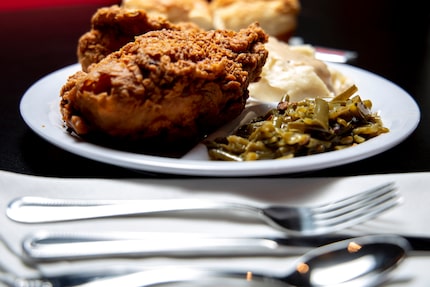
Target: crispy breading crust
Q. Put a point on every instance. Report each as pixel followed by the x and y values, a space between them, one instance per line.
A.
pixel 172 85
pixel 113 27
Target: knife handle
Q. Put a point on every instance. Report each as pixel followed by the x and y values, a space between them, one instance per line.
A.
pixel 50 246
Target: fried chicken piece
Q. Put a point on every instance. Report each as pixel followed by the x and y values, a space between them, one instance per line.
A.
pixel 174 86
pixel 113 27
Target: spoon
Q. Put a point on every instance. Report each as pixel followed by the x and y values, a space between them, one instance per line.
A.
pixel 360 261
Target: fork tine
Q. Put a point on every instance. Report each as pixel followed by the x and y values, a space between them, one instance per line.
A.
pixel 350 220
pixel 357 208
pixel 365 216
pixel 363 197
pixel 361 214
pixel 370 201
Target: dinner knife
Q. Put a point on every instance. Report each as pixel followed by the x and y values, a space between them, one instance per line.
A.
pixel 53 246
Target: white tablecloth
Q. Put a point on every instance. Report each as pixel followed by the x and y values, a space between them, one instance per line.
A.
pixel 410 218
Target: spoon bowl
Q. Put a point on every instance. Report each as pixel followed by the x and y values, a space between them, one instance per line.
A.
pixel 359 261
pixel 362 261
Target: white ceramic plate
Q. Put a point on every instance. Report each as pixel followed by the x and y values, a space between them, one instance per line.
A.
pixel 40 110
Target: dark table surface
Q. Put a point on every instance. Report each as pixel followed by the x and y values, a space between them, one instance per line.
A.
pixel 391 39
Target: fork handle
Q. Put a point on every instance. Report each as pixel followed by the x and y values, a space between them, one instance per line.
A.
pixel 43 210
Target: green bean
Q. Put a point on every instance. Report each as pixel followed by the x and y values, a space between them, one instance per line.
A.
pixel 345 95
pixel 301 128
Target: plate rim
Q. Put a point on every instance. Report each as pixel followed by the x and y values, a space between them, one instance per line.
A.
pixel 181 166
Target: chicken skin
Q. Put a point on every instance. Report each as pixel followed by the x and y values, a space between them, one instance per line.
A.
pixel 166 86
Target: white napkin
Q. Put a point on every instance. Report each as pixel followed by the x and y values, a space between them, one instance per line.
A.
pixel 410 218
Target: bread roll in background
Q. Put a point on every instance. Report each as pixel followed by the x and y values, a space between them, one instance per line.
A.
pixel 277 17
pixel 196 11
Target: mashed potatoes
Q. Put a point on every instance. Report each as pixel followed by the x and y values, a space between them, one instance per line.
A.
pixel 293 70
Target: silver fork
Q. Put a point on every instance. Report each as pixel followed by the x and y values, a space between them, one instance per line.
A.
pixel 293 220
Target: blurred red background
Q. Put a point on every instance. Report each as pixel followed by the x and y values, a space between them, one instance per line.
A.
pixel 26 4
